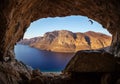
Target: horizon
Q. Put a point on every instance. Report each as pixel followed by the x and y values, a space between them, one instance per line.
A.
pixel 70 23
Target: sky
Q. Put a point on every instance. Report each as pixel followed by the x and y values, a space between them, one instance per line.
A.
pixel 71 23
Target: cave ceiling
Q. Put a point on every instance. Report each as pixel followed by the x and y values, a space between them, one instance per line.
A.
pixel 16 16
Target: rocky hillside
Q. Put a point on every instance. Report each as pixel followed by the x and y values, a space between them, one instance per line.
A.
pixel 67 41
pixel 29 41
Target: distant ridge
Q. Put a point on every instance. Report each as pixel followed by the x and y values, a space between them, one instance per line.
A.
pixel 67 41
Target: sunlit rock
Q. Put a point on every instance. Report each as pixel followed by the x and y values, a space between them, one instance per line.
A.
pixel 67 41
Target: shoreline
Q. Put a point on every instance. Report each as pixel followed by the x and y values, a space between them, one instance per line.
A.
pixel 51 74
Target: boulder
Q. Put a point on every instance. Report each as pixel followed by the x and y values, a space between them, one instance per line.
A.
pixel 91 61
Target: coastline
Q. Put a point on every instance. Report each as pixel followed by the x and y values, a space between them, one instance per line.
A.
pixel 51 74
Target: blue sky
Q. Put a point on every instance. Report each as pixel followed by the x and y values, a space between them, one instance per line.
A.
pixel 71 23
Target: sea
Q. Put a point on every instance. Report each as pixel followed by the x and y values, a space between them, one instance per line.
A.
pixel 46 61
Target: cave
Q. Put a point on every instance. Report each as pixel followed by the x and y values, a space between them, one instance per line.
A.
pixel 16 17
pixel 69 34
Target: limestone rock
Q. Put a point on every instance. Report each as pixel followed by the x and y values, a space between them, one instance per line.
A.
pixel 16 17
pixel 67 41
pixel 91 61
pixel 28 41
pixel 14 72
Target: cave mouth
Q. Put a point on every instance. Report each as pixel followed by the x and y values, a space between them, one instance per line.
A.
pixel 74 24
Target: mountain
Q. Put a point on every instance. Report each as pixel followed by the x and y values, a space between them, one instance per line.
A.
pixel 67 41
pixel 29 41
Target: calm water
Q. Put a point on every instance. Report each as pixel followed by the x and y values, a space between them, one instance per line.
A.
pixel 44 60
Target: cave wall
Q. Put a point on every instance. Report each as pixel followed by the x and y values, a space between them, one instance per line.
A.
pixel 16 16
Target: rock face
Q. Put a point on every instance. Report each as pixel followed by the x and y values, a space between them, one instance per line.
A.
pixel 91 61
pixel 67 41
pixel 16 16
pixel 14 72
pixel 86 67
pixel 29 41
